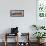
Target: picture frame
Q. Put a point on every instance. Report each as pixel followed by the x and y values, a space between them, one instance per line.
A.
pixel 17 13
pixel 40 12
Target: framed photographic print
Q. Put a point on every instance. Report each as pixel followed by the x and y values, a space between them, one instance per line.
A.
pixel 17 13
pixel 41 8
pixel 41 12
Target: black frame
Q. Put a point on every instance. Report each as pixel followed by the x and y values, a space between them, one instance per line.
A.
pixel 17 13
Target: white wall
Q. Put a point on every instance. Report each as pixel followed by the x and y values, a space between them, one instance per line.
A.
pixel 24 23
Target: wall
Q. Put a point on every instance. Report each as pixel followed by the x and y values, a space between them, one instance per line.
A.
pixel 24 23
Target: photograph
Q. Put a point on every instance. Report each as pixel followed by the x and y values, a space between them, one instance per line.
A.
pixel 17 13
